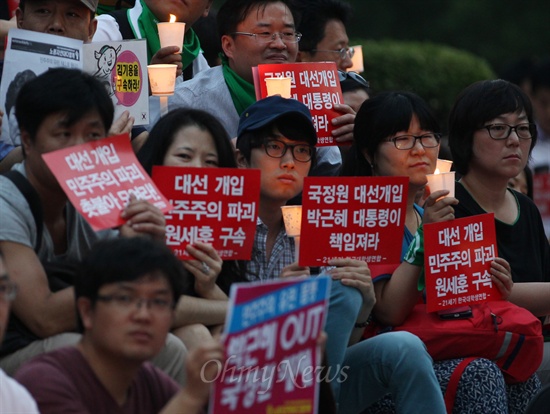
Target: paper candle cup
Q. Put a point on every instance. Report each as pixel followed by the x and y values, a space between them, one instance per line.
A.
pixel 442 181
pixel 278 86
pixel 292 216
pixel 443 166
pixel 171 34
pixel 162 79
pixel 357 60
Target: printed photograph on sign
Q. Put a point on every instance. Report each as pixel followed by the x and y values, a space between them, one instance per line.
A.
pixel 218 206
pixel 458 256
pixel 99 178
pixel 353 217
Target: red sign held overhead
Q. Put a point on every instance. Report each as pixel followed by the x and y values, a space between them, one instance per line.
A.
pixel 356 217
pixel 212 206
pixel 100 176
pixel 458 256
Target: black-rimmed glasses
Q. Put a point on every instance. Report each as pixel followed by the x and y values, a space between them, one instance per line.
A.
pixel 406 142
pixel 354 76
pixel 503 131
pixel 277 149
pixel 342 53
pixel 268 37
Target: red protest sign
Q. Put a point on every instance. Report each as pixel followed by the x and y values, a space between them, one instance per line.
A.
pixel 458 256
pixel 315 84
pixel 99 177
pixel 211 206
pixel 356 217
pixel 273 359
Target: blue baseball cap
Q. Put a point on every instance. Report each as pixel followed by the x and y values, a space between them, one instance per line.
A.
pixel 267 110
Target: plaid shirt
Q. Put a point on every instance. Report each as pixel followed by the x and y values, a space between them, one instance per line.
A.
pixel 282 255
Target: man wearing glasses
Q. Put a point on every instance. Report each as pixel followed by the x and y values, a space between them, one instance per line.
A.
pixel 13 397
pixel 323 26
pixel 125 297
pixel 253 32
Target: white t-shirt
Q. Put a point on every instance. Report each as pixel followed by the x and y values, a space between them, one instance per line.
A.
pixel 14 398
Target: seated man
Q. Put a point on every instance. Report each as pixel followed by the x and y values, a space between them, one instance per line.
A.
pixel 277 136
pixel 43 316
pixel 13 397
pixel 125 296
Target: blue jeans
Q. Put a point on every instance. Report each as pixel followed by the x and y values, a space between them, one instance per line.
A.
pixel 393 362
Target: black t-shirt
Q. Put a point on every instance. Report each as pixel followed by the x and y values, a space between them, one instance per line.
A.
pixel 523 244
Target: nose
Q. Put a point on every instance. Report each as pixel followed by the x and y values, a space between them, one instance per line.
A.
pixel 142 309
pixel 57 24
pixel 287 160
pixel 418 147
pixel 345 63
pixel 277 42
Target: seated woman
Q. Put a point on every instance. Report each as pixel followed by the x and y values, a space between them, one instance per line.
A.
pixel 491 135
pixel 194 138
pixel 397 135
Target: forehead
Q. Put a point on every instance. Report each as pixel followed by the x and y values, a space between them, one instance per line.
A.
pixel 268 14
pixel 148 283
pixel 66 3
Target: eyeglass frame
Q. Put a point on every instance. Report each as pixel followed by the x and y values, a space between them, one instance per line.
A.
pixel 10 292
pixel 343 75
pixel 416 138
pixel 297 35
pixel 286 147
pixel 511 128
pixel 343 52
pixel 135 302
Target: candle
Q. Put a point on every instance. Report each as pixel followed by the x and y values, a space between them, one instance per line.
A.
pixel 442 181
pixel 292 217
pixel 278 86
pixel 443 166
pixel 162 78
pixel 171 33
pixel 357 60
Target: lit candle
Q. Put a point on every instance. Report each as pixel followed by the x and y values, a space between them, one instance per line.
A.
pixel 278 86
pixel 162 79
pixel 292 217
pixel 442 181
pixel 171 33
pixel 443 166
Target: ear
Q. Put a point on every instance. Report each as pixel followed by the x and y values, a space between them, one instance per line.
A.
pixel 207 10
pixel 241 160
pixel 84 308
pixel 25 140
pixel 91 29
pixel 228 46
pixel 19 17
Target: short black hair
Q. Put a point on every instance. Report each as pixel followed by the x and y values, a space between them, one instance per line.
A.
pixel 164 131
pixel 314 16
pixel 478 103
pixel 61 90
pixel 126 260
pixel 233 12
pixel 378 119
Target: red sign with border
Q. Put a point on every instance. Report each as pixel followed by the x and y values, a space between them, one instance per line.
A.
pixel 356 217
pixel 457 260
pixel 99 177
pixel 211 205
pixel 315 84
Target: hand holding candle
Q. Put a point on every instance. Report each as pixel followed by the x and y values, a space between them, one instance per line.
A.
pixel 442 181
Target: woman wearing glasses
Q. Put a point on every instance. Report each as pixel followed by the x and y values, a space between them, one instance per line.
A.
pixel 491 136
pixel 396 134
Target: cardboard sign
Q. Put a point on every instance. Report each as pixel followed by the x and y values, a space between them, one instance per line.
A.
pixel 100 176
pixel 315 84
pixel 541 195
pixel 273 362
pixel 457 260
pixel 211 206
pixel 122 68
pixel 357 217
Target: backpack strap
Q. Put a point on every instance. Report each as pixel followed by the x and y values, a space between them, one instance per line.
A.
pixel 121 17
pixel 452 386
pixel 33 200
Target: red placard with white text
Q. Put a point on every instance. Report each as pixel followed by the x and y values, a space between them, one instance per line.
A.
pixel 211 205
pixel 315 84
pixel 541 197
pixel 273 358
pixel 457 260
pixel 99 177
pixel 356 217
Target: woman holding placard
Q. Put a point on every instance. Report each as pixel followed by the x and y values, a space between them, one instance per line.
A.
pixel 396 134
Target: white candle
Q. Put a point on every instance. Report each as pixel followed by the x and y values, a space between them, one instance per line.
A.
pixel 171 33
pixel 162 79
pixel 292 216
pixel 443 166
pixel 442 181
pixel 278 86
